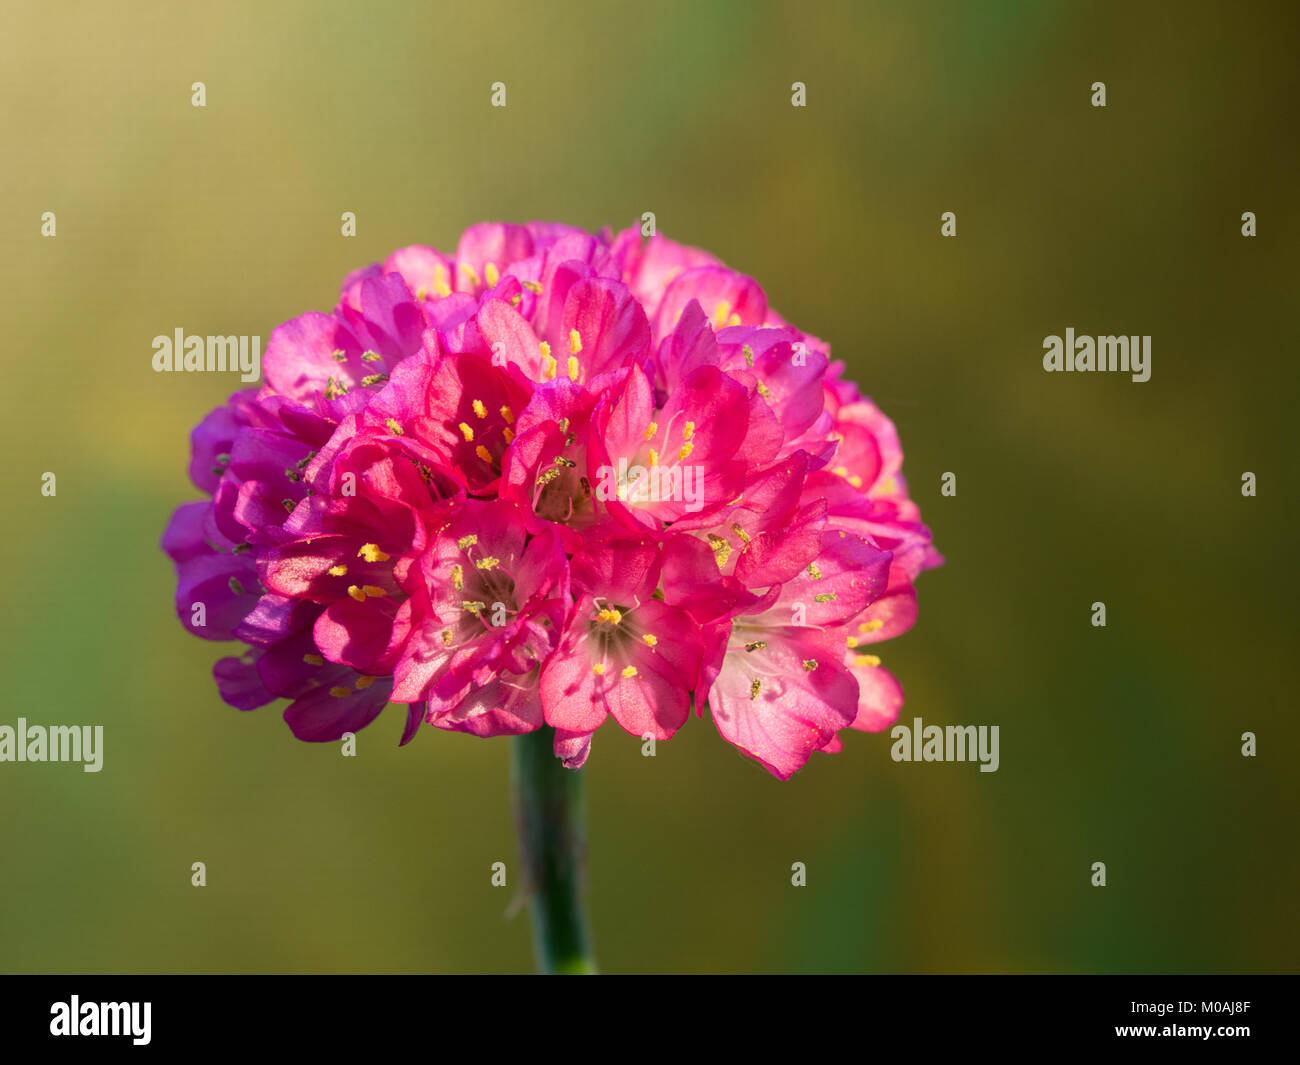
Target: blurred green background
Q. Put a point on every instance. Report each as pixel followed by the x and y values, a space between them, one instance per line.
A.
pixel 1119 745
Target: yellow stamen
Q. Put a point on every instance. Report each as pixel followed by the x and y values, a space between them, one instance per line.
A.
pixel 575 342
pixel 532 286
pixel 629 671
pixel 814 572
pixel 755 686
pixel 721 312
pixel 488 563
pixel 654 457
pixel 471 273
pixel 871 626
pixel 598 669
pixel 509 434
pixel 364 682
pixel 508 415
pixel 466 432
pixel 492 274
pixel 866 660
pixel 573 368
pixel 458 578
pixel 483 453
pixel 313 660
pixel 356 593
pixel 466 542
pixel 479 409
pixel 549 370
pixel 610 615
pixel 650 639
pixel 651 429
pixel 340 692
pixel 686 450
pixel 371 553
pixel 373 592
pixel 688 430
pixel 740 532
pixel 338 571
pixel 852 641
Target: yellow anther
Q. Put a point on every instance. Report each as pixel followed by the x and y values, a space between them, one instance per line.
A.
pixel 852 641
pixel 466 542
pixel 720 313
pixel 856 481
pixel 573 367
pixel 509 434
pixel 365 682
pixel 466 432
pixel 458 578
pixel 840 471
pixel 487 562
pixel 871 626
pixel 483 453
pixel 446 637
pixel 688 431
pixel 748 352
pixel 545 349
pixel 809 664
pixel 734 319
pixel 471 273
pixel 629 671
pixel 371 553
pixel 598 669
pixel 575 342
pixel 508 415
pixel 479 409
pixel 740 532
pixel 492 274
pixel 654 457
pixel 313 660
pixel 441 287
pixel 532 286
pixel 549 369
pixel 372 591
pixel 721 549
pixel 651 429
pixel 340 692
pixel 421 294
pixel 651 639
pixel 686 450
pixel 338 571
pixel 755 686
pixel 814 572
pixel 866 660
pixel 356 593
pixel 611 615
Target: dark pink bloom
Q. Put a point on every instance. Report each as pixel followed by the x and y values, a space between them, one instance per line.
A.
pixel 550 478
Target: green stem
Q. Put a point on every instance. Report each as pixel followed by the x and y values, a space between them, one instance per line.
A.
pixel 549 817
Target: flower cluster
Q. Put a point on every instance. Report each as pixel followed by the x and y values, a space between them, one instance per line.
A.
pixel 555 477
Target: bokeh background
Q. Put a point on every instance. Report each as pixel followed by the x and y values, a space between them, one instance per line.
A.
pixel 1119 745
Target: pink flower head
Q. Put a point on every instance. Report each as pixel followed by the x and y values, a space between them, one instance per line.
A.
pixel 551 478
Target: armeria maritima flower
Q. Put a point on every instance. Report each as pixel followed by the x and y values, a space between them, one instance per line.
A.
pixel 554 478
